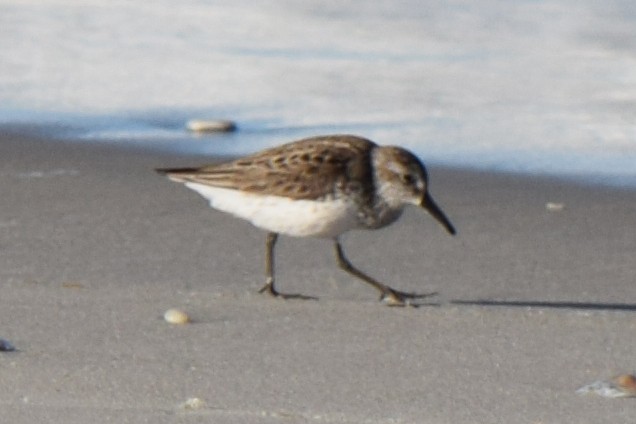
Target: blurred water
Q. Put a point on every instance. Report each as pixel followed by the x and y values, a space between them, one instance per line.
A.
pixel 526 86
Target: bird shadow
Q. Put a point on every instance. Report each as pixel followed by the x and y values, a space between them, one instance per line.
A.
pixel 295 296
pixel 586 306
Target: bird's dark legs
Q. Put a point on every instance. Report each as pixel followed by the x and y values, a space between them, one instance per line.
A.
pixel 269 265
pixel 387 294
pixel 269 272
pixel 344 263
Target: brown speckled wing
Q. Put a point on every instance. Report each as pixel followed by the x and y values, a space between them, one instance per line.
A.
pixel 306 169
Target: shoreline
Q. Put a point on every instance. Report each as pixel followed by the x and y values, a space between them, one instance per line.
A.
pixel 162 148
pixel 532 302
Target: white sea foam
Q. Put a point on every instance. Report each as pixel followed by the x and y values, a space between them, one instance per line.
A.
pixel 534 86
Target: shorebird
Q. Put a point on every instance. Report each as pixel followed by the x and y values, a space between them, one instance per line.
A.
pixel 318 187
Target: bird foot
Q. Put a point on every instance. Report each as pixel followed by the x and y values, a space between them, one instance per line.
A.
pixel 392 297
pixel 268 288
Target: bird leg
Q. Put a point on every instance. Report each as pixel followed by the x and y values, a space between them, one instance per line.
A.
pixel 269 272
pixel 269 265
pixel 388 295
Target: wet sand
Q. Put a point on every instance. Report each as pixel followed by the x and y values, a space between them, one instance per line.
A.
pixel 94 246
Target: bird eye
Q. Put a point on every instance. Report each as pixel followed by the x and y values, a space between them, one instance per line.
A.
pixel 408 179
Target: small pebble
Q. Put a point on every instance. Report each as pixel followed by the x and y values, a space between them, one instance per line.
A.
pixel 5 346
pixel 621 386
pixel 193 404
pixel 176 316
pixel 554 207
pixel 211 125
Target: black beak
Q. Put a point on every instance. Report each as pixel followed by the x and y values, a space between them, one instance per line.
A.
pixel 429 204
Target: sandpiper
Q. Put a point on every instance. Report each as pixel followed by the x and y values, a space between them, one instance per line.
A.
pixel 318 187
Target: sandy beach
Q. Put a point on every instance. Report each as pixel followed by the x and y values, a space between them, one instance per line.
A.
pixel 533 302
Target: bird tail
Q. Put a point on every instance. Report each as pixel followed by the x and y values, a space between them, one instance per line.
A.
pixel 176 174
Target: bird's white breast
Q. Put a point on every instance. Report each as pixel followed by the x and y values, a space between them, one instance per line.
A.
pixel 300 218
